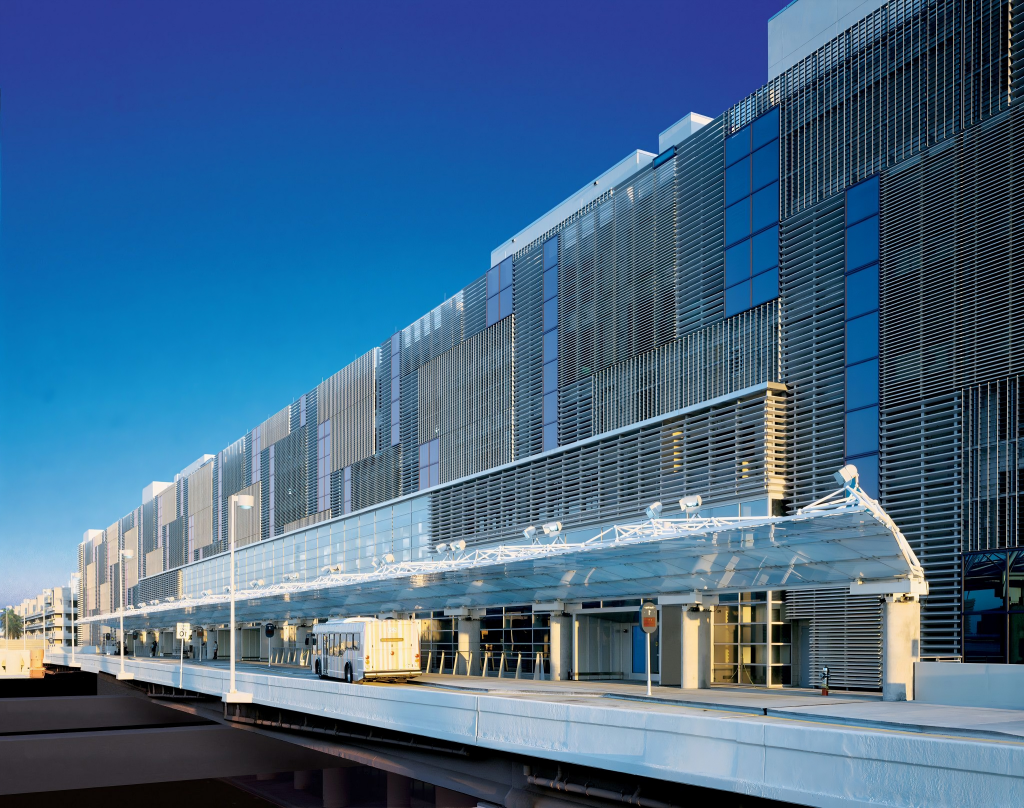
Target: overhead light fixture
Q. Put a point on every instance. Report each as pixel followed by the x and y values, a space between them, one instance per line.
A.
pixel 389 558
pixel 440 548
pixel 459 545
pixel 552 528
pixel 244 501
pixel 154 603
pixel 227 588
pixel 205 593
pixel 654 510
pixel 292 576
pixel 530 532
pixel 690 504
pixel 336 568
pixel 847 476
pixel 169 600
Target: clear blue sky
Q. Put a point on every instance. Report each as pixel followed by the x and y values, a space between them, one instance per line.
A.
pixel 189 187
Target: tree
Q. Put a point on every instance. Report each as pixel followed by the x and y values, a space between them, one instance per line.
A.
pixel 11 624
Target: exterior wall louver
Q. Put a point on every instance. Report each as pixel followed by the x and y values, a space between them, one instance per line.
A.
pixel 740 352
pixel 465 399
pixel 905 77
pixel 729 452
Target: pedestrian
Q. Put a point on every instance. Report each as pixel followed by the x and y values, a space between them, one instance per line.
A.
pixel 152 649
pixel 214 649
pixel 202 652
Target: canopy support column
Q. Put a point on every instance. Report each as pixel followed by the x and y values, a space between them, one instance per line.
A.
pixel 901 646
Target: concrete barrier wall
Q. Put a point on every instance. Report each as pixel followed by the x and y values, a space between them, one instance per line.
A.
pixel 970 684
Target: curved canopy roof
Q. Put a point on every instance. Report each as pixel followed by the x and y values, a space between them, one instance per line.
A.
pixel 845 539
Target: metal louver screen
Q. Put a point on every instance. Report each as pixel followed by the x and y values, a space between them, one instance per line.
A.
pixel 464 398
pixel 728 452
pixel 845 635
pixel 812 278
pixel 724 358
pixel 700 229
pixel 993 466
pixel 905 77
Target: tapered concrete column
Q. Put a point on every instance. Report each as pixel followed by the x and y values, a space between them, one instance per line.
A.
pixel 901 646
pixel 336 788
pixel 469 643
pixel 695 640
pixel 302 779
pixel 399 791
pixel 561 647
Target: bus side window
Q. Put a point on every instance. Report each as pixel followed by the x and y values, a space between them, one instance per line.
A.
pixel 355 641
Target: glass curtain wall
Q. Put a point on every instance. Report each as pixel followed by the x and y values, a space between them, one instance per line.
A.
pixel 993 605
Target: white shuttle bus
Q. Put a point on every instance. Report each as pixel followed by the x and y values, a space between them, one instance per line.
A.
pixel 358 648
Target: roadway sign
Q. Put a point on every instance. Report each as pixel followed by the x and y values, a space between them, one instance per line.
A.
pixel 649 618
pixel 184 631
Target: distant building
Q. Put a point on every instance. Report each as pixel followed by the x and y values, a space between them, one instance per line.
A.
pixel 53 609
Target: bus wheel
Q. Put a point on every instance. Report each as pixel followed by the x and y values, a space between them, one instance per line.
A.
pixel 348 672
pixel 317 669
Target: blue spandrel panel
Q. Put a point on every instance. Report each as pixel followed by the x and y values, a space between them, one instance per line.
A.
pixel 550 282
pixel 737 263
pixel 737 221
pixel 862 200
pixel 765 250
pixel 862 384
pixel 550 408
pixel 862 431
pixel 551 314
pixel 551 346
pixel 862 291
pixel 862 244
pixel 765 162
pixel 765 128
pixel 867 471
pixel 765 287
pixel 737 299
pixel 862 338
pixel 737 181
pixel 765 209
pixel 550 377
pixel 737 146
pixel 550 252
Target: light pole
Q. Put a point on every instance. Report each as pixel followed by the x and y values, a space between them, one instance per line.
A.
pixel 245 502
pixel 126 554
pixel 75 579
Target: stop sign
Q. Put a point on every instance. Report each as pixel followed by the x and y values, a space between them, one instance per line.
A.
pixel 649 617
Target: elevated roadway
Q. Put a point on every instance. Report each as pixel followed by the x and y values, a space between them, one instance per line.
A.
pixel 786 745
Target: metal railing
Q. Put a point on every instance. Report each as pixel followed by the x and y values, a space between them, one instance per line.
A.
pixel 486 664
